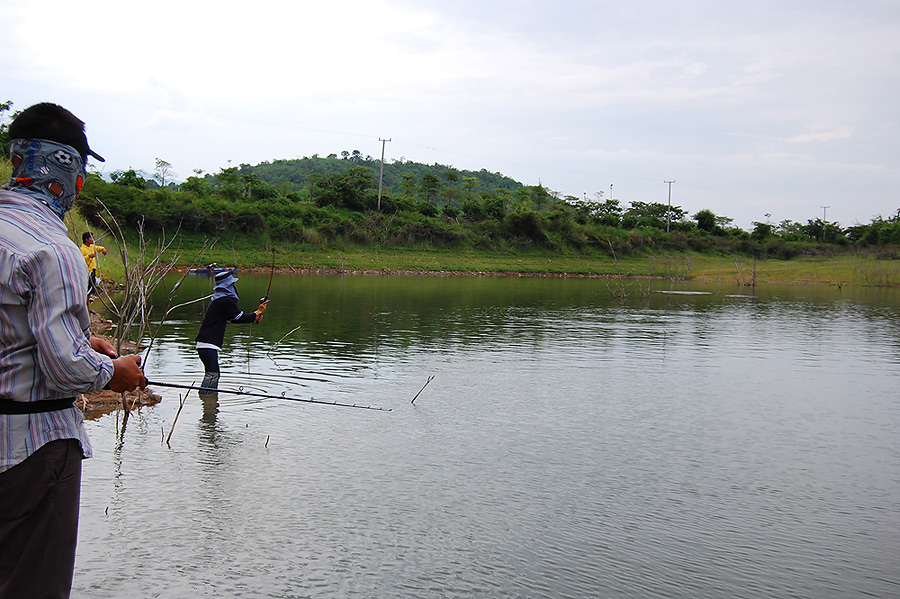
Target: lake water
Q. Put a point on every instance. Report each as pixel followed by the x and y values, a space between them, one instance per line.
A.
pixel 688 440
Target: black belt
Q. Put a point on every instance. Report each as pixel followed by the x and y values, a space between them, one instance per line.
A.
pixel 11 406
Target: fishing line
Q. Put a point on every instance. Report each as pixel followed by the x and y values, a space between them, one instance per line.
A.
pixel 256 383
pixel 241 391
pixel 262 300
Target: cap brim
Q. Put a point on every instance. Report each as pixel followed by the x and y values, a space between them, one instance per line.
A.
pixel 96 155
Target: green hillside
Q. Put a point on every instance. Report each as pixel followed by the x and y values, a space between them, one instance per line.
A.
pixel 400 178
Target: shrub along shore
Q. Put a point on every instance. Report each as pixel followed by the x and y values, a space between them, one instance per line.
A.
pixel 249 253
pixel 830 264
pixel 328 215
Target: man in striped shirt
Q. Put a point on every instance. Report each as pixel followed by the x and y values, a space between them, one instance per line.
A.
pixel 47 356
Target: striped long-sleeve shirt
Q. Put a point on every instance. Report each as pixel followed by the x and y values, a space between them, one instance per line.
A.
pixel 45 350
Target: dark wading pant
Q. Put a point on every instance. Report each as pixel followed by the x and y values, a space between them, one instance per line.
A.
pixel 39 522
pixel 93 287
pixel 210 359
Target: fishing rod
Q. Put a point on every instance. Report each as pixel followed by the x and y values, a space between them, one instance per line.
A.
pixel 262 301
pixel 265 298
pixel 241 391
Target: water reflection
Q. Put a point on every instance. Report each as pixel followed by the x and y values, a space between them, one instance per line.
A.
pixel 313 322
pixel 570 444
pixel 210 410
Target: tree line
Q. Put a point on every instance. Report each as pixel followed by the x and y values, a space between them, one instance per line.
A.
pixel 334 200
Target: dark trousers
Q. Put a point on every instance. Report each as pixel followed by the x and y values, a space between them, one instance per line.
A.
pixel 39 501
pixel 210 359
pixel 92 282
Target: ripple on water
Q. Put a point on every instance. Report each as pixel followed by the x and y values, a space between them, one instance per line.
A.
pixel 684 446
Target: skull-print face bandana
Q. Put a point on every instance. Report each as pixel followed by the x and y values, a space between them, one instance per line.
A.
pixel 50 172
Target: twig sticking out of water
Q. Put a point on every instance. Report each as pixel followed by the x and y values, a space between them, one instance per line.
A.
pixel 267 441
pixel 422 389
pixel 181 401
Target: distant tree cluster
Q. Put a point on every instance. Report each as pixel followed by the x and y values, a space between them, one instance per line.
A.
pixel 335 200
pixel 5 119
pixel 402 177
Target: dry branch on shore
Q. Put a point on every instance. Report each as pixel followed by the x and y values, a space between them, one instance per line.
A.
pixel 98 403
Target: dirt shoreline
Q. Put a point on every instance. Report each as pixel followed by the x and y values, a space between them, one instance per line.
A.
pixel 428 273
pixel 517 274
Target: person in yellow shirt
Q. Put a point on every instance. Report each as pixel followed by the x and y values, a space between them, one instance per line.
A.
pixel 90 251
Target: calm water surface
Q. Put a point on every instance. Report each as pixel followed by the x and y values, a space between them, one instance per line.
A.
pixel 690 441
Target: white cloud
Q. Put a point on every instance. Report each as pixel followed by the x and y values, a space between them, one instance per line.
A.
pixel 822 134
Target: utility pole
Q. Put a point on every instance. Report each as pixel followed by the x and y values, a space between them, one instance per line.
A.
pixel 669 211
pixel 824 213
pixel 381 176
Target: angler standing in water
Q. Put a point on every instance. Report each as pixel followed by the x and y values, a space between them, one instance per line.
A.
pixel 222 309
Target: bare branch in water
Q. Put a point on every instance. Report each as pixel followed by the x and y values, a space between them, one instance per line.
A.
pixel 422 389
pixel 181 401
pixel 285 336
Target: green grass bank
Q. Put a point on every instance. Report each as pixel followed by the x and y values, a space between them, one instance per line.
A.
pixel 251 252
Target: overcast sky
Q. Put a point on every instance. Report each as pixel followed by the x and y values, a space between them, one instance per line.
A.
pixel 779 107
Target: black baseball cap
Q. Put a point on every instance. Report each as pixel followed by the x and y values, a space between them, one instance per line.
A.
pixel 52 122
